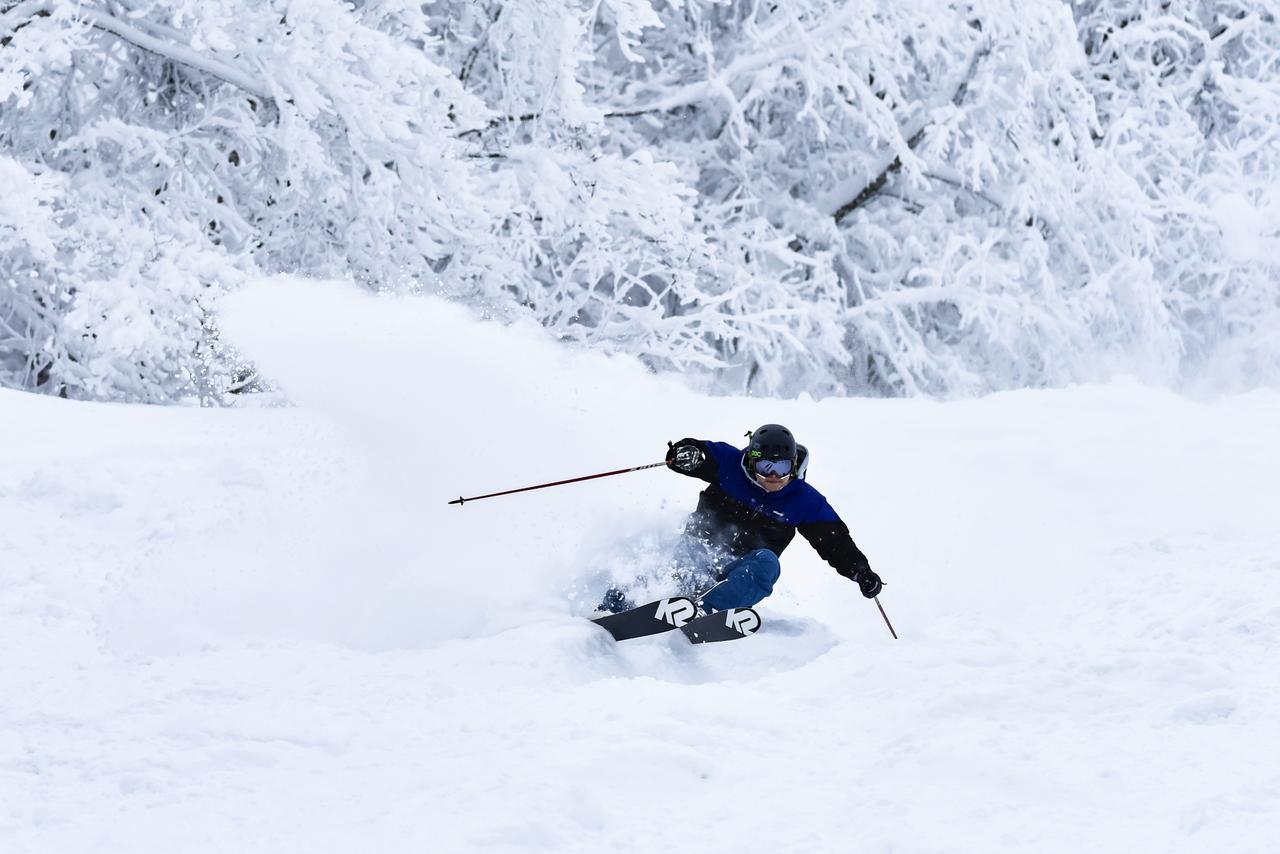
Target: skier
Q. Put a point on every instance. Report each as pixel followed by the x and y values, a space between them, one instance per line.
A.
pixel 756 501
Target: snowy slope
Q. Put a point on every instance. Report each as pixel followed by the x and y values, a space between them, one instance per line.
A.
pixel 265 630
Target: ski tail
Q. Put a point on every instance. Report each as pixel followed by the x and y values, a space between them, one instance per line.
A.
pixel 651 618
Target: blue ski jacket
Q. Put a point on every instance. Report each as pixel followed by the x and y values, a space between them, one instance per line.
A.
pixel 736 514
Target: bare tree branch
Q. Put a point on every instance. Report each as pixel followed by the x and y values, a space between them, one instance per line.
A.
pixel 475 49
pixel 870 190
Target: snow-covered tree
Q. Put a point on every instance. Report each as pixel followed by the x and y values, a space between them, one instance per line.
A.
pixel 937 160
pixel 325 138
pixel 917 197
pixel 213 135
pixel 1188 95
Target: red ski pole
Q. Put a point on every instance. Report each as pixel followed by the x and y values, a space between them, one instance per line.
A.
pixel 886 618
pixel 461 501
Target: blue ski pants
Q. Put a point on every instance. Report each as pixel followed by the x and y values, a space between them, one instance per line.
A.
pixel 745 581
pixel 740 583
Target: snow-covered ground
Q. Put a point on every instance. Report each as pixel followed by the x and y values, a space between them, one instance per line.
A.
pixel 265 629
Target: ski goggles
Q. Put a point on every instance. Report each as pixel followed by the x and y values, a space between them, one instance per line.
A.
pixel 769 468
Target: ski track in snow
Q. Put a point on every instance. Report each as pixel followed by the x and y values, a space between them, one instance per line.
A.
pixel 264 629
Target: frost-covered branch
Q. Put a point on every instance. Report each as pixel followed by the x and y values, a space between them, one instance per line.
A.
pixel 877 184
pixel 1058 197
pixel 179 53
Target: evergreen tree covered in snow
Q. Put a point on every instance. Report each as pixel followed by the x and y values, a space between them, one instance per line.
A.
pixel 819 195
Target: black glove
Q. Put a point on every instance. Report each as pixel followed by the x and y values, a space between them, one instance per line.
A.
pixel 684 455
pixel 869 582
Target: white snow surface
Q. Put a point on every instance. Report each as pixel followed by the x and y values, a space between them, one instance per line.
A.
pixel 264 629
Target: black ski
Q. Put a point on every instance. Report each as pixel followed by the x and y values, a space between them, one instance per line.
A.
pixel 661 615
pixel 729 624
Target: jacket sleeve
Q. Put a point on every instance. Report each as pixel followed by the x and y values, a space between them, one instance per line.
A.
pixel 710 468
pixel 830 539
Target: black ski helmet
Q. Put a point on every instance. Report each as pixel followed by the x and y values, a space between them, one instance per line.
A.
pixel 772 442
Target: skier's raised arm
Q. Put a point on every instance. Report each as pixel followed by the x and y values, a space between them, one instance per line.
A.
pixel 693 457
